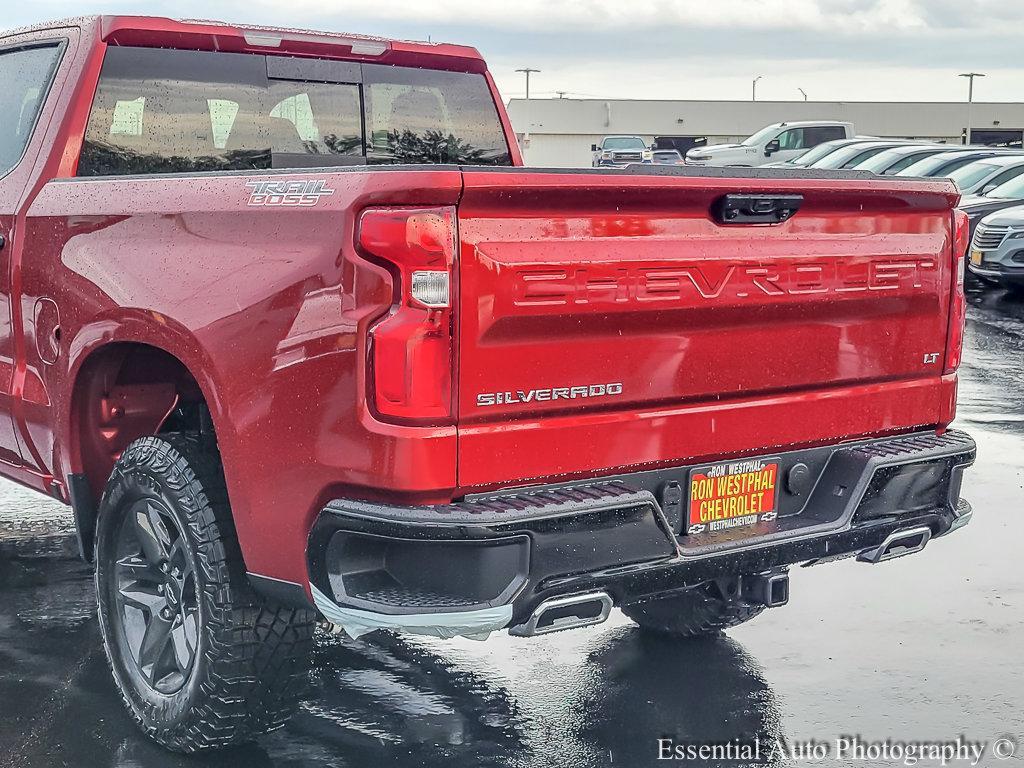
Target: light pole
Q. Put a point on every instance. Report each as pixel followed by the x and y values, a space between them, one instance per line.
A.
pixel 753 87
pixel 803 92
pixel 526 71
pixel 970 102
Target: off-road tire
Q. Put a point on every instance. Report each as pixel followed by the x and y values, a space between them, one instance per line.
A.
pixel 696 612
pixel 250 664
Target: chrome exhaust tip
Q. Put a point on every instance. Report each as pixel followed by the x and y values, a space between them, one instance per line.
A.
pixel 567 612
pixel 898 544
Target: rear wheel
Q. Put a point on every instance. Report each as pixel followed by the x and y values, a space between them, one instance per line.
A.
pixel 700 611
pixel 199 658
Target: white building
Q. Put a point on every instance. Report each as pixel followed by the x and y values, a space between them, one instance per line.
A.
pixel 560 132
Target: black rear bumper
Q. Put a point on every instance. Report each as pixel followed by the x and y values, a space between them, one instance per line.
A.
pixel 501 555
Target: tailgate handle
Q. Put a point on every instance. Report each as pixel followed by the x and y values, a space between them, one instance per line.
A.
pixel 755 209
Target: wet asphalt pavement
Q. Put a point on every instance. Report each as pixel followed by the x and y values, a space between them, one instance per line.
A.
pixel 927 648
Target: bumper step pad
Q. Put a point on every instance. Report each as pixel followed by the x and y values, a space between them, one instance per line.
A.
pixel 507 508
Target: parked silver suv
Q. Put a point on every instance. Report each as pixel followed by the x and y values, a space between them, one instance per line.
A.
pixel 997 250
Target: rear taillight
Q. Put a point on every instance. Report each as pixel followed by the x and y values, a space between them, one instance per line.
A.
pixel 958 301
pixel 411 354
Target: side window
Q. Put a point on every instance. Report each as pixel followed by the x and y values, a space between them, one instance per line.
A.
pixel 428 116
pixel 171 111
pixel 792 139
pixel 1005 176
pixel 906 162
pixel 26 74
pixel 860 157
pixel 815 136
pixel 952 165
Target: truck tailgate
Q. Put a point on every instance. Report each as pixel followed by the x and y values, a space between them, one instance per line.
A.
pixel 609 321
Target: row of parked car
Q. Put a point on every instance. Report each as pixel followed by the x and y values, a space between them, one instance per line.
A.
pixel 991 180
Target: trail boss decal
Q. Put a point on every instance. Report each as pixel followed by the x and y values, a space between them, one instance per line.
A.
pixel 299 194
pixel 546 395
pixel 732 495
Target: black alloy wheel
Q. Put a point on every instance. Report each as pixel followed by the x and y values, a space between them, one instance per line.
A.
pixel 157 600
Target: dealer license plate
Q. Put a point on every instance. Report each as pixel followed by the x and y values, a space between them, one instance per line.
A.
pixel 733 494
pixel 977 257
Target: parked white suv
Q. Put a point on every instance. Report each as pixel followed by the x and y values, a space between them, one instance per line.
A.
pixel 775 143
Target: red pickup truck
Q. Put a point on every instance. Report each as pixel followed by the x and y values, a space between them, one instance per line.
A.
pixel 292 330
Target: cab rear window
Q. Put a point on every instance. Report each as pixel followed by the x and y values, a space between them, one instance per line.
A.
pixel 170 111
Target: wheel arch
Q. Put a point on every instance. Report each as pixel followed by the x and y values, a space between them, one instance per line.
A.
pixel 127 380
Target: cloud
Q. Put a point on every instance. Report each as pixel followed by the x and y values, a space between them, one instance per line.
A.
pixel 967 16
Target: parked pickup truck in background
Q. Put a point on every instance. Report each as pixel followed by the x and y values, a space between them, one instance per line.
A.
pixel 620 151
pixel 294 332
pixel 772 144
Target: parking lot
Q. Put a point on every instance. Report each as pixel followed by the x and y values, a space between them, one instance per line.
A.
pixel 924 648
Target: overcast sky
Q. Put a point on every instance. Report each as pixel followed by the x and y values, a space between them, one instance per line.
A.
pixel 898 50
